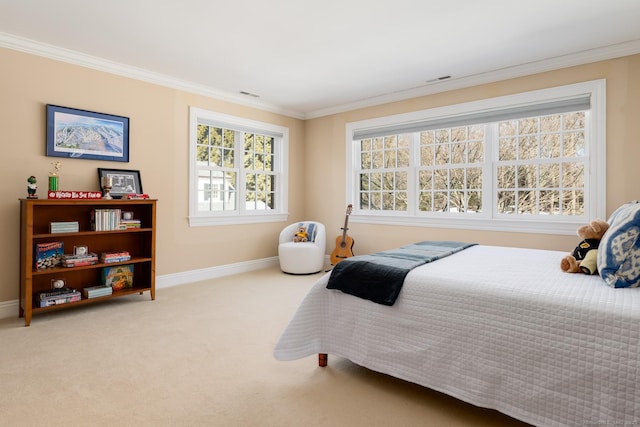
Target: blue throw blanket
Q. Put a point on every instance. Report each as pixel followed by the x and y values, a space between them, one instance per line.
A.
pixel 379 277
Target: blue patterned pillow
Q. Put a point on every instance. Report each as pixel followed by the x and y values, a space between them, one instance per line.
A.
pixel 619 250
pixel 311 231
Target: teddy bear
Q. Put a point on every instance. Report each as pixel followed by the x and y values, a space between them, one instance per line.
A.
pixel 583 257
pixel 301 235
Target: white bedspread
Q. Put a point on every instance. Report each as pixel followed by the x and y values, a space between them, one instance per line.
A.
pixel 497 327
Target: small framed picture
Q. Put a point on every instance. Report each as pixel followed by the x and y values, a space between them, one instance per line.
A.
pixel 127 215
pixel 123 181
pixel 80 250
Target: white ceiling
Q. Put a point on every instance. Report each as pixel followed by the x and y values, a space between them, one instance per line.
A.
pixel 309 58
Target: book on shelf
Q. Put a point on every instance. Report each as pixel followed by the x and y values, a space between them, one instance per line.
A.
pixel 114 256
pixel 48 255
pixel 64 226
pixel 54 293
pixel 130 223
pixel 118 276
pixel 69 260
pixel 97 291
pixel 64 298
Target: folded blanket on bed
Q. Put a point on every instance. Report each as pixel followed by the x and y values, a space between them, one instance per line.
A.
pixel 379 276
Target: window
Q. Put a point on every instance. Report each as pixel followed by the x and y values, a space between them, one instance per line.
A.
pixel 237 169
pixel 530 162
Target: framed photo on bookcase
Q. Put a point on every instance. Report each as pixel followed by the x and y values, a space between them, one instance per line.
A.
pixel 123 182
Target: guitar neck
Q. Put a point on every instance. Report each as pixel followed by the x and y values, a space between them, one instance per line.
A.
pixel 345 228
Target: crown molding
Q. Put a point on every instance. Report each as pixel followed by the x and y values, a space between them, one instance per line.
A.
pixel 32 47
pixel 10 41
pixel 536 67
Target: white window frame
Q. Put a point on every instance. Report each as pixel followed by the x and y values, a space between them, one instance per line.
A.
pixel 595 173
pixel 240 215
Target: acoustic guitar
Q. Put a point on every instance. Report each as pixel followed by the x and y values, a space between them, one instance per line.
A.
pixel 344 243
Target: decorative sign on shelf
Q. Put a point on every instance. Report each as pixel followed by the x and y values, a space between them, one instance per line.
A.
pixel 74 195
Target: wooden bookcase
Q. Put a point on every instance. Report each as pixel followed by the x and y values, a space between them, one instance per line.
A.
pixel 36 216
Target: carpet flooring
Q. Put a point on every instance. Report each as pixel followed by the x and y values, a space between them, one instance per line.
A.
pixel 200 355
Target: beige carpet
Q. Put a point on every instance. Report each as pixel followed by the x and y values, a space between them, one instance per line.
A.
pixel 200 355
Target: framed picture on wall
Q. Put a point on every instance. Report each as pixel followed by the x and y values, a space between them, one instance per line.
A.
pixel 82 134
pixel 123 181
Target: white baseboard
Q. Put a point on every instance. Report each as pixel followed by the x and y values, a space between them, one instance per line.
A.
pixel 168 280
pixel 10 308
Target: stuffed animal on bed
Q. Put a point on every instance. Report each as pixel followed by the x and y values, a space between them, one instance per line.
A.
pixel 583 258
pixel 301 234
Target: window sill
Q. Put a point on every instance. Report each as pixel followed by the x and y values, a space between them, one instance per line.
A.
pixel 563 226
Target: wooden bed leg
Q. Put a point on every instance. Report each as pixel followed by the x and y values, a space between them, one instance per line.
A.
pixel 322 359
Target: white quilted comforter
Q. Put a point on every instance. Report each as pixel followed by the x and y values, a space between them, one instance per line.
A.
pixel 497 327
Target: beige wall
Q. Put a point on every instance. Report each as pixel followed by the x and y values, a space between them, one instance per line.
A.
pixel 325 140
pixel 159 133
pixel 159 149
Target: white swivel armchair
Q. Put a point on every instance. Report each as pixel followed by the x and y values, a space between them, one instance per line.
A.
pixel 302 257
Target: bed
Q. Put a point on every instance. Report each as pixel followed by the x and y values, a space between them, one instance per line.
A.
pixel 497 327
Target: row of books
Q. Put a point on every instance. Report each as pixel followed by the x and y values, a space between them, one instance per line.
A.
pixel 71 295
pixel 105 219
pixel 51 254
pixel 101 220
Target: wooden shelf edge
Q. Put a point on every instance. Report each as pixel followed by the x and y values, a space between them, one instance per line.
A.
pixel 90 232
